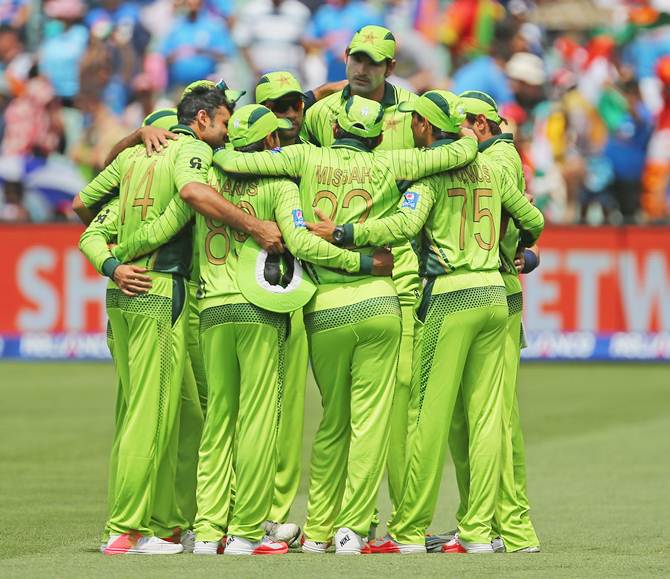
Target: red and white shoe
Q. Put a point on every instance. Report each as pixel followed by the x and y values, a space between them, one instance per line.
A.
pixel 266 546
pixel 389 545
pixel 456 545
pixel 136 544
pixel 314 547
pixel 347 542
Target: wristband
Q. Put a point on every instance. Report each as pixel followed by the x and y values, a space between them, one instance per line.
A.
pixel 530 261
pixel 109 267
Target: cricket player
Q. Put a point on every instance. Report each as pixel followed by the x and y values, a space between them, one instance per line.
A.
pixel 370 60
pixel 235 334
pixel 512 523
pixel 353 323
pixel 464 311
pixel 155 320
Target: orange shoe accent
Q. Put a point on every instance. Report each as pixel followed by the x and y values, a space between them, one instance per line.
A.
pixel 122 544
pixel 453 547
pixel 222 546
pixel 383 547
pixel 268 550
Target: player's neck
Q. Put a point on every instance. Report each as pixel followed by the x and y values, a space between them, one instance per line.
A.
pixel 375 95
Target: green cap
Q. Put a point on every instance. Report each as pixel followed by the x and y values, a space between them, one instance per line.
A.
pixel 251 123
pixel 231 95
pixel 442 108
pixel 375 41
pixel 361 116
pixel 275 85
pixel 479 103
pixel 162 118
pixel 273 282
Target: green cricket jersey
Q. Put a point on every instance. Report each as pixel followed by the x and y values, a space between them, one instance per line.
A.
pixel 219 245
pixel 458 214
pixel 500 149
pixel 318 129
pixel 347 181
pixel 320 117
pixel 146 185
pixel 93 243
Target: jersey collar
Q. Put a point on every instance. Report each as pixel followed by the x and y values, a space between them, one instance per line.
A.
pixel 349 144
pixel 504 137
pixel 441 142
pixel 184 130
pixel 389 99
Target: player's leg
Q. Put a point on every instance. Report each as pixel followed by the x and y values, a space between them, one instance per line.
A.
pixel 373 378
pixel 193 346
pixel 156 354
pixel 215 460
pixel 399 408
pixel 331 353
pixel 289 437
pixel 441 355
pixel 482 398
pixel 458 448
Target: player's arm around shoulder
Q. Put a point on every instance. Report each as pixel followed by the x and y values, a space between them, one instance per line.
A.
pixel 105 183
pixel 101 232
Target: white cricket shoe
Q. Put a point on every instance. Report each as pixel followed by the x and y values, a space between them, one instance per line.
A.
pixel 498 545
pixel 434 543
pixel 136 544
pixel 456 545
pixel 266 546
pixel 389 545
pixel 349 543
pixel 287 533
pixel 315 547
pixel 207 548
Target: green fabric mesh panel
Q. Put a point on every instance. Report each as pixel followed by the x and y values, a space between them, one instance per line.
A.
pixel 515 303
pixel 441 306
pixel 252 314
pixel 353 314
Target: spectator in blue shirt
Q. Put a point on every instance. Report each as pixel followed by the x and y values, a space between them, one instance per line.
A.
pixel 64 47
pixel 332 27
pixel 195 44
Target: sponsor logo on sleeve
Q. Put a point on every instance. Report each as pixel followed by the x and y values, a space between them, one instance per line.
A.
pixel 410 200
pixel 298 219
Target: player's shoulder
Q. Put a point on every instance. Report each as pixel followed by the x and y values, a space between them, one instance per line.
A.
pixel 403 95
pixel 326 106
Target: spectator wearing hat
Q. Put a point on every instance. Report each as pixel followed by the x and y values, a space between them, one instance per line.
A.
pixel 63 49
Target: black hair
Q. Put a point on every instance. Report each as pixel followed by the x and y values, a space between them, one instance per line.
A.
pixel 369 142
pixel 257 146
pixel 493 126
pixel 201 98
pixel 437 133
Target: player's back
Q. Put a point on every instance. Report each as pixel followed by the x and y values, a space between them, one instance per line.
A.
pixel 219 245
pixel 463 228
pixel 148 183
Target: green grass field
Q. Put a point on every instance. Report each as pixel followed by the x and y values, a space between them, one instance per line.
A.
pixel 598 442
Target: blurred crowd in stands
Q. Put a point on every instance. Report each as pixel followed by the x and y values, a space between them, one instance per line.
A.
pixel 584 85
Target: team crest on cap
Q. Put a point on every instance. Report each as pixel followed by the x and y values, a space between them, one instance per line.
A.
pixel 236 123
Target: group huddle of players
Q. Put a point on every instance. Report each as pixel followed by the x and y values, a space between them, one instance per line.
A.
pixel 406 216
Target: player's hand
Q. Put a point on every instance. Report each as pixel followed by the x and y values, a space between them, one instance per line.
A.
pixel 382 262
pixel 155 138
pixel 520 259
pixel 528 195
pixel 131 280
pixel 467 132
pixel 324 228
pixel 268 236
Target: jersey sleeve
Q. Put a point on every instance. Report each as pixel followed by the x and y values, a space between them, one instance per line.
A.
pixel 308 131
pixel 285 162
pixel 406 223
pixel 106 183
pixel 414 164
pixel 192 163
pixel 156 233
pixel 527 217
pixel 94 242
pixel 303 244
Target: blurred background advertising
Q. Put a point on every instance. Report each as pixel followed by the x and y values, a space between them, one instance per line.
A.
pixel 584 86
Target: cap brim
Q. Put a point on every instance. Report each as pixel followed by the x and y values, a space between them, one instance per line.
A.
pixel 234 95
pixel 284 124
pixel 258 291
pixel 406 107
pixel 375 56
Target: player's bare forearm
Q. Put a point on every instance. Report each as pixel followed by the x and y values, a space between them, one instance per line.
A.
pixel 85 214
pixel 207 201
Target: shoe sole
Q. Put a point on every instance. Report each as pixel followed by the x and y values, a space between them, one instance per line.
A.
pixel 131 552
